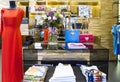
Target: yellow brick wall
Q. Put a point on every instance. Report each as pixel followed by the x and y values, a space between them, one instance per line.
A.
pixel 102 26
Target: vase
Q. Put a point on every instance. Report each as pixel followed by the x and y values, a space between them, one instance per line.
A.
pixel 52 41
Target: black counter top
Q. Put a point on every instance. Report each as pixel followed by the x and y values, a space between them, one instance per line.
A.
pixel 61 46
pixel 94 53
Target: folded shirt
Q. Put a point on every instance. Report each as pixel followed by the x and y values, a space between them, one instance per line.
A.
pixel 63 73
pixel 76 46
pixel 93 74
pixel 35 73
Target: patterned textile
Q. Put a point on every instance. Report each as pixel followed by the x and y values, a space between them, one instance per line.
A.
pixel 93 74
pixel 84 11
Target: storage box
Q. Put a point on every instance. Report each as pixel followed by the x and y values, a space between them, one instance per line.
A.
pixel 86 38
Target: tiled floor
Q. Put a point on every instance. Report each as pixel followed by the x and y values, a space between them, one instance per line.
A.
pixel 113 71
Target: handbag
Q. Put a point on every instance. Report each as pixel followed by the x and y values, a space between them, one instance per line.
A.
pixel 86 38
pixel 72 35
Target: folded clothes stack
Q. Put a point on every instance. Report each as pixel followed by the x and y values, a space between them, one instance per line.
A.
pixel 76 46
pixel 93 74
pixel 35 74
pixel 63 73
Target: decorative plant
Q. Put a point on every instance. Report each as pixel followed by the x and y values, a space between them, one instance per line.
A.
pixel 53 18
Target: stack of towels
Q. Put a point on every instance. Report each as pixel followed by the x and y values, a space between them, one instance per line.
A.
pixel 93 74
pixel 63 73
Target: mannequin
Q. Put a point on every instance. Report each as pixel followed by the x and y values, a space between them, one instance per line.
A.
pixel 12 5
pixel 12 59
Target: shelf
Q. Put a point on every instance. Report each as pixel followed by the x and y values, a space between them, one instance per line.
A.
pixel 84 3
pixel 25 3
pixel 41 3
pixel 85 0
pixel 22 0
pixel 71 6
pixel 37 12
pixel 38 3
pixel 67 13
pixel 73 2
pixel 57 3
pixel 40 0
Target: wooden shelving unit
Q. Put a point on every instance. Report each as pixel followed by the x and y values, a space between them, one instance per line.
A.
pixel 72 7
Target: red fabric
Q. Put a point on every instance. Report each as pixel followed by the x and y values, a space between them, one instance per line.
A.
pixel 12 65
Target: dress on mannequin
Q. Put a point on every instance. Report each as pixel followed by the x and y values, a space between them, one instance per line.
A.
pixel 12 65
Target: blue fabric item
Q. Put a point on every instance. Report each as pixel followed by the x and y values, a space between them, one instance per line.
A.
pixel 24 20
pixel 90 75
pixel 114 32
pixel 72 36
pixel 118 37
pixel 42 34
pixel 116 41
pixel 90 78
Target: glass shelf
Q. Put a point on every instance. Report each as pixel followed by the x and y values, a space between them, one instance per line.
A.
pixel 61 46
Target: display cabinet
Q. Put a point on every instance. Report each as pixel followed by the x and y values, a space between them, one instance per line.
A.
pixel 97 55
pixel 93 52
pixel 45 52
pixel 71 8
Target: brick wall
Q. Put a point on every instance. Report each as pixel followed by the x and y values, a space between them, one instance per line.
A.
pixel 102 26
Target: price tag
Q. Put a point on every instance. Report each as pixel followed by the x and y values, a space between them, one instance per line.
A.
pixel 37 46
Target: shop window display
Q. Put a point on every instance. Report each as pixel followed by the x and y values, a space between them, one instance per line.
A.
pixel 73 19
pixel 37 32
pixel 39 29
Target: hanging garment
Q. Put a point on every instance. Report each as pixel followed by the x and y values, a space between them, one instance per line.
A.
pixel 116 41
pixel 12 65
pixel 118 38
pixel 114 32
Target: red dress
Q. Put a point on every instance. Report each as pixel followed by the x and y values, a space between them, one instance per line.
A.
pixel 12 65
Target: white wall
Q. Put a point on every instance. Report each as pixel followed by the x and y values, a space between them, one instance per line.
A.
pixel 4 3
